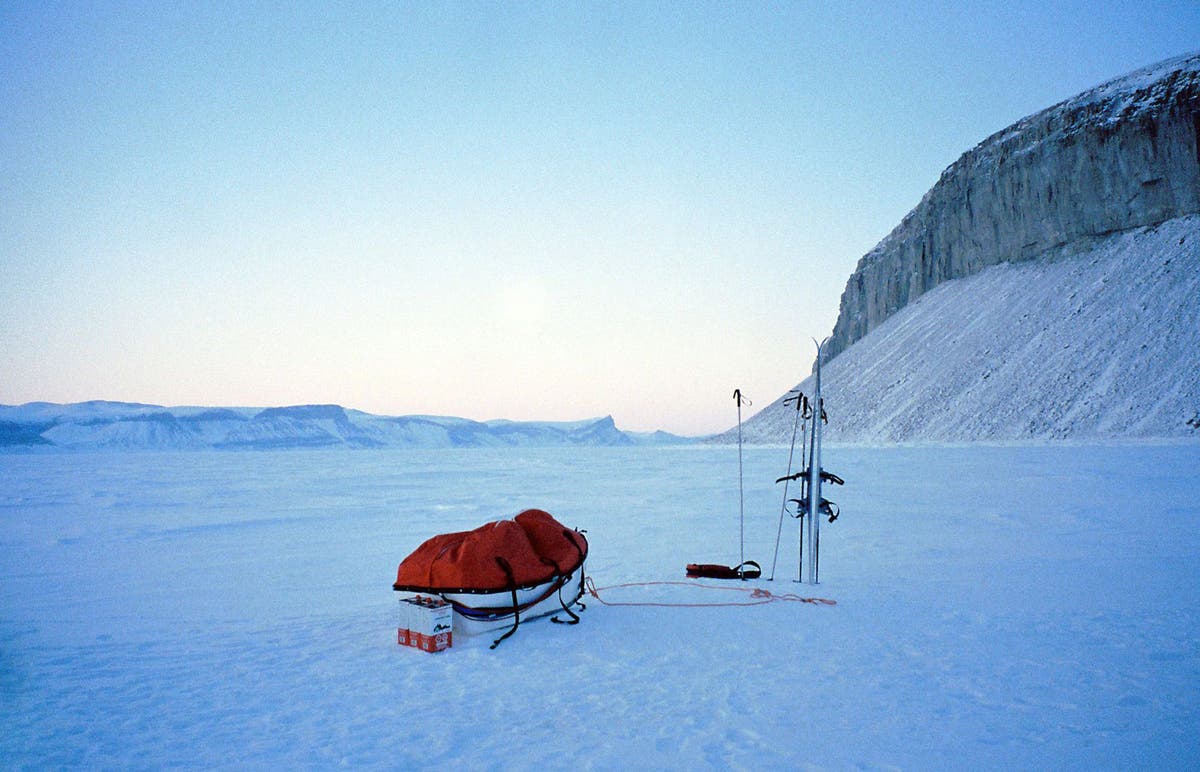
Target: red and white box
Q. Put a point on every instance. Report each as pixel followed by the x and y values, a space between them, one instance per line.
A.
pixel 425 623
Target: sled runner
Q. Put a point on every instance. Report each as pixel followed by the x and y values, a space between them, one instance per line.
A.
pixel 501 573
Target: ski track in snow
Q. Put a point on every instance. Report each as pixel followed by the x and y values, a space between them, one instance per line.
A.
pixel 998 607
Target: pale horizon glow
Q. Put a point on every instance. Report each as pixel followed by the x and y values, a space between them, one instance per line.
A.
pixel 525 211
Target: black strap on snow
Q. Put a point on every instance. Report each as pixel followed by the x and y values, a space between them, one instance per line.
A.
pixel 512 585
pixel 567 606
pixel 560 581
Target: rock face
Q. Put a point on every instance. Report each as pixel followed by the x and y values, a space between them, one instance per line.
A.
pixel 1120 156
pixel 1095 341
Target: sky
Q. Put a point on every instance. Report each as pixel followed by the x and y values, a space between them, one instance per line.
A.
pixel 491 210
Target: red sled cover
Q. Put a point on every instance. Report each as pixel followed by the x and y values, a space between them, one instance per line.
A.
pixel 533 546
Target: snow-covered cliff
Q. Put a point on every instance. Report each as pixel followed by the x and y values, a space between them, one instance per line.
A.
pixel 1122 155
pixel 1097 340
pixel 1048 286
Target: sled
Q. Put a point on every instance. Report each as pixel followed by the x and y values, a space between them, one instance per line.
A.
pixel 501 573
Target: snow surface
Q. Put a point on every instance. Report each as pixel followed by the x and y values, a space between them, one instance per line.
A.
pixel 998 607
pixel 1097 341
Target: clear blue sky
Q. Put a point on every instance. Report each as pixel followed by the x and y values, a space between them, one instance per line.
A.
pixel 494 210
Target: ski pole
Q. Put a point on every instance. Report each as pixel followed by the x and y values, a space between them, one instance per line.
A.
pixel 737 396
pixel 800 562
pixel 814 479
pixel 791 452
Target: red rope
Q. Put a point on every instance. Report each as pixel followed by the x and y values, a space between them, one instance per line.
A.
pixel 759 596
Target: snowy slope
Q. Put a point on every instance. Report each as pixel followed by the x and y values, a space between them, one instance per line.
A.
pixel 1100 340
pixel 298 426
pixel 997 608
pixel 157 429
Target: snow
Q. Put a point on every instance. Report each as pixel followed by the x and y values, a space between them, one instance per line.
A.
pixel 1096 341
pixel 1028 606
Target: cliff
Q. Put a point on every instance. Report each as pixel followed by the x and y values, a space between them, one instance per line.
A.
pixel 1047 287
pixel 1120 156
pixel 1094 341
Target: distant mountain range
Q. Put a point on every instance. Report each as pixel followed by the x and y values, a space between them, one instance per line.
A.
pixel 102 425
